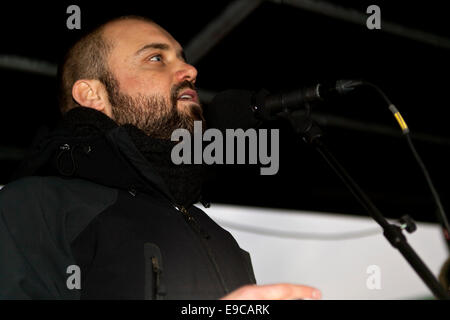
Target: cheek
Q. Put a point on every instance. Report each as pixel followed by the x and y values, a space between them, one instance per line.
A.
pixel 145 85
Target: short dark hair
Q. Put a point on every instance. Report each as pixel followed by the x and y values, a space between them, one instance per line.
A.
pixel 86 59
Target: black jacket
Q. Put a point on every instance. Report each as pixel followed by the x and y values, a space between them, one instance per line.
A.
pixel 91 199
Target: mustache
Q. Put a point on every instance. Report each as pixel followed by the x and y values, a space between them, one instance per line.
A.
pixel 176 89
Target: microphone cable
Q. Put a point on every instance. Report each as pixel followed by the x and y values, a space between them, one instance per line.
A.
pixel 440 212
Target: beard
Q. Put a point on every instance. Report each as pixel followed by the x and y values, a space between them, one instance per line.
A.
pixel 155 115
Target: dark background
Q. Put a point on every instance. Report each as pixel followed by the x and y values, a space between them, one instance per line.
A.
pixel 277 46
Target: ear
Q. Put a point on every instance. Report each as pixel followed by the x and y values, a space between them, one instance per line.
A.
pixel 92 94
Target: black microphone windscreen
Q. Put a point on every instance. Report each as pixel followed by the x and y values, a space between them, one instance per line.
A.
pixel 231 109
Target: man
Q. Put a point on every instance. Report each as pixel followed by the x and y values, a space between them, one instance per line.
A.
pixel 104 213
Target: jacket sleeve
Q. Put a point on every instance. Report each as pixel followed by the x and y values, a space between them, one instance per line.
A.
pixel 16 279
pixel 31 256
pixel 39 218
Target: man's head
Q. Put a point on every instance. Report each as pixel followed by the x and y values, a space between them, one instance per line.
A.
pixel 135 72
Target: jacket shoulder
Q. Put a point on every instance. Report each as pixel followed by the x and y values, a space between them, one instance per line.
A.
pixel 65 204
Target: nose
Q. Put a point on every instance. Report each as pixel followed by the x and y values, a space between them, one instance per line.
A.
pixel 186 72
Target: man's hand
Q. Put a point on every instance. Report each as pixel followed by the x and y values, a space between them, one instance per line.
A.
pixel 281 291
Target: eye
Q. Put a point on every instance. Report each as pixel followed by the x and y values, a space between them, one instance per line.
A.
pixel 157 58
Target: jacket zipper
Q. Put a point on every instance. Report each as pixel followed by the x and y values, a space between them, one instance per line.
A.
pixel 153 270
pixel 199 230
pixel 191 220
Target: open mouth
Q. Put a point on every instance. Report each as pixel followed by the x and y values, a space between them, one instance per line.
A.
pixel 188 95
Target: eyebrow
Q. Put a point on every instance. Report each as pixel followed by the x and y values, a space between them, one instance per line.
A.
pixel 160 46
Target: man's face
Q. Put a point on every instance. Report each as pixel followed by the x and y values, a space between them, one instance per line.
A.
pixel 149 84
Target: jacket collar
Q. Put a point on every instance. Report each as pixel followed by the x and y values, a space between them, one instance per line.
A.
pixel 87 144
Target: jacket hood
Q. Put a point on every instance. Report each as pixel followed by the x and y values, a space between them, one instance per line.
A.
pixel 87 144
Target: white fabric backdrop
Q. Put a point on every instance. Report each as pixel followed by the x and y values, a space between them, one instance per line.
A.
pixel 337 267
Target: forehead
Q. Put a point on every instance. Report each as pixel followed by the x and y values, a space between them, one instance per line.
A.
pixel 128 36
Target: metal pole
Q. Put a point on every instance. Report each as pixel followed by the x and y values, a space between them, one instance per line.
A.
pixel 354 16
pixel 218 28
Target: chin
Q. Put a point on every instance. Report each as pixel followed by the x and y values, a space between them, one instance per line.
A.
pixel 193 111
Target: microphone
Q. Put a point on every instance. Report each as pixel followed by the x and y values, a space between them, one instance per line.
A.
pixel 244 109
pixel 268 106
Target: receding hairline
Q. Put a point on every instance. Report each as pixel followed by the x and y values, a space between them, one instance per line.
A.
pixel 107 27
pixel 107 36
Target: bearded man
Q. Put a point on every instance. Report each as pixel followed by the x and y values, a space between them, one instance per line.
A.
pixel 101 211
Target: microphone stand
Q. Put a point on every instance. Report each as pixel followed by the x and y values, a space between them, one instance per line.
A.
pixel 310 132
